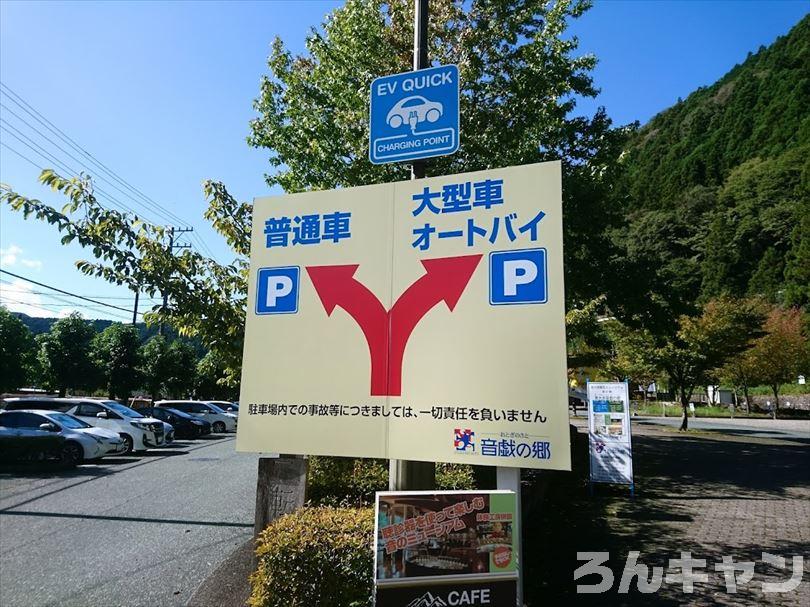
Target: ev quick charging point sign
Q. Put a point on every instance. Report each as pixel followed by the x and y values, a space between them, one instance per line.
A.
pixel 414 115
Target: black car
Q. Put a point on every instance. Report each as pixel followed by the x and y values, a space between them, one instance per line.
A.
pixel 185 425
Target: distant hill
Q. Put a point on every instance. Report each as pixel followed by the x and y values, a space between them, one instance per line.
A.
pixel 716 192
pixel 39 325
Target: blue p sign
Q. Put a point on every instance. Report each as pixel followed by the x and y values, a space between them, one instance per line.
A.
pixel 277 290
pixel 517 277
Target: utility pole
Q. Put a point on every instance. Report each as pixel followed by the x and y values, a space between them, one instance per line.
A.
pixel 406 475
pixel 135 308
pixel 172 247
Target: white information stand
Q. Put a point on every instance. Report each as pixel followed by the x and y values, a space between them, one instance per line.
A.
pixel 609 441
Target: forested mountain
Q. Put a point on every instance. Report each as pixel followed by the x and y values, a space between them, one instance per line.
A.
pixel 716 189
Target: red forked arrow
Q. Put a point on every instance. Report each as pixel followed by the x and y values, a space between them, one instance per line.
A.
pixel 445 280
pixel 336 286
pixel 387 333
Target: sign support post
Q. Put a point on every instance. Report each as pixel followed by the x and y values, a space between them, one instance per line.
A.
pixel 403 474
pixel 509 480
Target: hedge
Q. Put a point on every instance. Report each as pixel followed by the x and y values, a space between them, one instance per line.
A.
pixel 315 556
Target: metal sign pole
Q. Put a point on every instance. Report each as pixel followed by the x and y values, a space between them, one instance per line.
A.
pixel 509 479
pixel 402 474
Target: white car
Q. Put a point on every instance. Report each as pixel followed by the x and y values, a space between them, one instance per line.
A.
pixel 138 432
pixel 413 110
pixel 226 406
pixel 82 442
pixel 221 421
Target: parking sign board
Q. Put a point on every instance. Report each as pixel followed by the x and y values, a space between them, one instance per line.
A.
pixel 414 115
pixel 419 320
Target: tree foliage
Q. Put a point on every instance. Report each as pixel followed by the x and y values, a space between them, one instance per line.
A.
pixel 715 193
pixel 117 357
pixel 779 354
pixel 520 75
pixel 16 352
pixel 182 369
pixel 155 365
pixel 64 355
pixel 702 344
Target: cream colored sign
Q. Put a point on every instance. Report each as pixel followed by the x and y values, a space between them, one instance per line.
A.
pixel 419 320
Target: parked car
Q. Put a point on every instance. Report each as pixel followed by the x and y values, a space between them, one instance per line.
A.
pixel 168 432
pixel 226 406
pixel 41 403
pixel 185 425
pixel 23 446
pixel 139 403
pixel 221 421
pixel 138 432
pixel 82 442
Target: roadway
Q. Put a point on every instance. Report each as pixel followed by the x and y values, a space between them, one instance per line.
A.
pixel 130 531
pixel 785 429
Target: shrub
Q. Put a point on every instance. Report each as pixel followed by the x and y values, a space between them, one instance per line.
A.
pixel 345 481
pixel 315 556
pixel 341 481
pixel 455 476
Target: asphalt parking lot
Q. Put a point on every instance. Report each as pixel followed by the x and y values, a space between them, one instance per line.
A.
pixel 133 530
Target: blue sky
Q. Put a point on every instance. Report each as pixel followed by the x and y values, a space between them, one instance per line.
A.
pixel 161 93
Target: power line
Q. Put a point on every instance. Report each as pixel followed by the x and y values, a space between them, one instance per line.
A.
pixel 26 158
pixel 61 149
pixel 63 301
pixel 113 297
pixel 139 199
pixel 42 306
pixel 33 145
pixel 31 111
pixel 25 303
pixel 39 284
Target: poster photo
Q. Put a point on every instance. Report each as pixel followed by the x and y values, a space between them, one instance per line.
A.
pixel 423 534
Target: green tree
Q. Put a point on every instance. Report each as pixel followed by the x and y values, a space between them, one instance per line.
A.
pixel 209 382
pixel 116 351
pixel 741 373
pixel 65 355
pixel 587 342
pixel 520 74
pixel 156 363
pixel 632 355
pixel 182 371
pixel 797 270
pixel 779 354
pixel 705 343
pixel 17 349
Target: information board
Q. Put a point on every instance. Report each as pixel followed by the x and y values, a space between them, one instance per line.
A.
pixel 419 320
pixel 611 450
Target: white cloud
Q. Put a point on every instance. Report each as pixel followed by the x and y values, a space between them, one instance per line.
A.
pixel 8 256
pixel 12 254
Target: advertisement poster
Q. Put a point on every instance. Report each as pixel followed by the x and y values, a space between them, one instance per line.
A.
pixel 460 545
pixel 419 320
pixel 610 446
